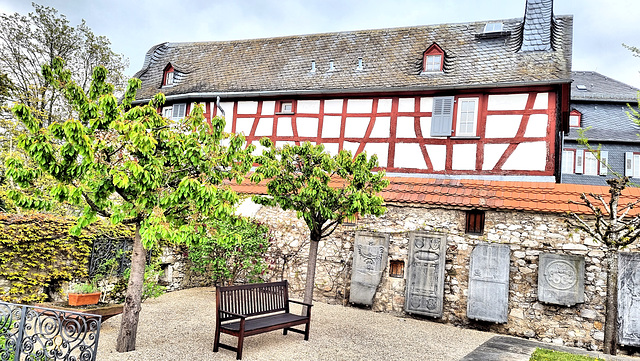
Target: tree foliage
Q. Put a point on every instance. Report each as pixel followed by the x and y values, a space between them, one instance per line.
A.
pixel 322 189
pixel 29 41
pixel 130 165
pixel 232 250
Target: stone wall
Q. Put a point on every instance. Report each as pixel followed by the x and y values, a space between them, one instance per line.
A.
pixel 527 234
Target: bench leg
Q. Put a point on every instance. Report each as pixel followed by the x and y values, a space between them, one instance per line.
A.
pixel 284 331
pixel 306 331
pixel 240 342
pixel 216 341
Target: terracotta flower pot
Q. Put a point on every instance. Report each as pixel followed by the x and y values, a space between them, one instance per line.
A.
pixel 81 299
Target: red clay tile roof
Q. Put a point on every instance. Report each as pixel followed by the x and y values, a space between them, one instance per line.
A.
pixel 483 194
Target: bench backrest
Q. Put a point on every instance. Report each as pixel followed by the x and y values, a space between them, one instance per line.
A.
pixel 252 299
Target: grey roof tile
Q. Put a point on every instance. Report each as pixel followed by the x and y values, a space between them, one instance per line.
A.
pixel 392 61
pixel 601 88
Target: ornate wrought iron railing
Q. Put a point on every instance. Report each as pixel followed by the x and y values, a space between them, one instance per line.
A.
pixel 43 334
pixel 104 250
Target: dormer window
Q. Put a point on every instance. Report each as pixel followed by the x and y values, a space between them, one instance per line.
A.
pixel 167 79
pixel 433 59
pixel 493 27
pixel 575 119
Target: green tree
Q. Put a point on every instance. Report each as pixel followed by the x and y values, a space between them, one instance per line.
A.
pixel 28 42
pixel 132 166
pixel 322 189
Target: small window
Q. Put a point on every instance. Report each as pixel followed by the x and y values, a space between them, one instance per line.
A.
pixel 493 27
pixel 168 76
pixel 475 222
pixel 396 269
pixel 467 117
pixel 433 59
pixel 286 107
pixel 575 118
pixel 179 111
pixel 167 112
pixel 581 87
pixel 567 161
pixel 590 163
pixel 632 164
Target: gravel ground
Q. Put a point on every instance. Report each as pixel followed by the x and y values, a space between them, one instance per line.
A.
pixel 180 326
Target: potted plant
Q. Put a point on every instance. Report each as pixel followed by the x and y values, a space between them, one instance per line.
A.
pixel 82 294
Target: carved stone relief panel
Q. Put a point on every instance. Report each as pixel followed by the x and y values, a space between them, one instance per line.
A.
pixel 425 279
pixel 629 299
pixel 489 283
pixel 561 279
pixel 370 252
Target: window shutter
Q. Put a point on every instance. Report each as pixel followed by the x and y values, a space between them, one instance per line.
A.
pixel 442 116
pixel 579 161
pixel 179 110
pixel 628 164
pixel 604 161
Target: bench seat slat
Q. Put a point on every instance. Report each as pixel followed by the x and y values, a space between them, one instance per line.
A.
pixel 258 323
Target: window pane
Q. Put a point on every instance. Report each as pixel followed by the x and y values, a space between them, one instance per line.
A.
pixel 467 117
pixel 567 161
pixel 574 121
pixel 590 164
pixel 433 62
pixel 636 165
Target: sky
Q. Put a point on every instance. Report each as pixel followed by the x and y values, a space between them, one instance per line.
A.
pixel 134 26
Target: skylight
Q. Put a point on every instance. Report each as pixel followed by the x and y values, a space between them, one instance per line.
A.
pixel 493 27
pixel 581 87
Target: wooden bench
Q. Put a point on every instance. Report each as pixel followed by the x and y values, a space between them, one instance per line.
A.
pixel 252 309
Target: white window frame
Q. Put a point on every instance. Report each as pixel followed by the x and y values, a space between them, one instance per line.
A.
pixel 167 112
pixel 177 107
pixel 168 81
pixel 433 63
pixel 460 132
pixel 575 119
pixel 591 163
pixel 568 159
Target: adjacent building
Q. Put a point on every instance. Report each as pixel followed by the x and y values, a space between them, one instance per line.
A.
pixel 599 109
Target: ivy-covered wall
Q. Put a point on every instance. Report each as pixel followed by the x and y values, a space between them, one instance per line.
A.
pixel 37 251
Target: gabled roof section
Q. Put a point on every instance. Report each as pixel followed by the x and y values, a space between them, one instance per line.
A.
pixel 482 194
pixel 393 59
pixel 598 87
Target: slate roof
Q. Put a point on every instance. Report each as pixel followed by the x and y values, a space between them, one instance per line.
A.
pixel 604 108
pixel 601 88
pixel 392 60
pixel 484 194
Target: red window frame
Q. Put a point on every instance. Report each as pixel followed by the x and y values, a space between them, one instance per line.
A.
pixel 168 69
pixel 432 50
pixel 280 104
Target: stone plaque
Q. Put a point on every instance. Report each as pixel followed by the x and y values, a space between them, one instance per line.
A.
pixel 561 279
pixel 629 299
pixel 370 252
pixel 425 279
pixel 489 283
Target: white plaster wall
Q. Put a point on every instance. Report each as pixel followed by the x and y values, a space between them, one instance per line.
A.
pixel 280 144
pixel 405 128
pixel 507 102
pixel 359 105
pixel 245 107
pixel 502 126
pixel 331 126
pixel 259 148
pixel 384 105
pixel 351 146
pixel 528 156
pixel 268 107
pixel 426 104
pixel 438 155
pixel 464 157
pixel 307 127
pixel 425 127
pixel 355 127
pixel 409 155
pixel 542 101
pixel 228 112
pixel 308 106
pixel 284 127
pixel 406 104
pixel 243 125
pixel 492 154
pixel 537 126
pixel 333 106
pixel 265 127
pixel 379 149
pixel 381 128
pixel 332 148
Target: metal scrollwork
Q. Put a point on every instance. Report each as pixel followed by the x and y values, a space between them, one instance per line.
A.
pixel 38 333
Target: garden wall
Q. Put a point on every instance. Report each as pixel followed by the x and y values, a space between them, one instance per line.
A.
pixel 527 235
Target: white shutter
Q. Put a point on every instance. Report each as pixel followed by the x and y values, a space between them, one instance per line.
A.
pixel 604 161
pixel 442 116
pixel 628 164
pixel 579 161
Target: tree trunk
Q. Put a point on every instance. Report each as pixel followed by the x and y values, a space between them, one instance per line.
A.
pixel 611 317
pixel 311 273
pixel 133 301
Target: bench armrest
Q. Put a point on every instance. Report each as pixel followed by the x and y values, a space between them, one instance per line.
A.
pixel 301 303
